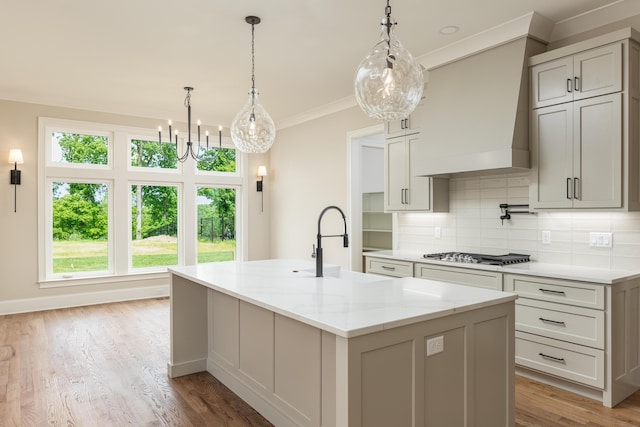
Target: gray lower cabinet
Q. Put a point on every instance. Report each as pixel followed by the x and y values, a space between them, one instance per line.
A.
pixel 581 336
pixel 388 267
pixel 459 275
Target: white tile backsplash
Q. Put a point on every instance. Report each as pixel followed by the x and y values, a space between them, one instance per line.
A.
pixel 473 225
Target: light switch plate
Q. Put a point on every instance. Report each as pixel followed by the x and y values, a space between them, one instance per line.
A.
pixel 600 240
pixel 546 237
pixel 437 232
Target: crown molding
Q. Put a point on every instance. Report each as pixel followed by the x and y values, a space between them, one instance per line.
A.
pixel 316 113
pixel 607 14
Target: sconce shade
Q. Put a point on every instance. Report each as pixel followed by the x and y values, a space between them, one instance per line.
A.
pixel 262 171
pixel 15 156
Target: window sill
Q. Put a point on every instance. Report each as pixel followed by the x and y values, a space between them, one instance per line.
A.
pixel 101 280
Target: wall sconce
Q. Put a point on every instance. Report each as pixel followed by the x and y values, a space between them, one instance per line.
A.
pixel 15 157
pixel 262 172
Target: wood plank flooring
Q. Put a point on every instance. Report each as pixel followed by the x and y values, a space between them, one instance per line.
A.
pixel 106 365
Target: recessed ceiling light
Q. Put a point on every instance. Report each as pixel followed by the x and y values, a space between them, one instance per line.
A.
pixel 449 29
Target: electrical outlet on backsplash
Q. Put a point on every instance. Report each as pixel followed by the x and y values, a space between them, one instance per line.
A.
pixel 473 225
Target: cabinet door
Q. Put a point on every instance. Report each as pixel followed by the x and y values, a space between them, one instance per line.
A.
pixel 598 71
pixel 552 82
pixel 407 126
pixel 418 192
pixel 395 128
pixel 394 174
pixel 597 152
pixel 551 184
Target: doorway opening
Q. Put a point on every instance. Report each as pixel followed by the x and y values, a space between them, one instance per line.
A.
pixel 370 228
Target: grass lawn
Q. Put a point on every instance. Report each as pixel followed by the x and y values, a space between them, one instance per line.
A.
pixel 89 255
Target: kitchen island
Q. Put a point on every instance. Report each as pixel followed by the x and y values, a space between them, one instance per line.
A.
pixel 348 349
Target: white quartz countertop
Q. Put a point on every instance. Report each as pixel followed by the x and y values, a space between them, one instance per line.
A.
pixel 540 269
pixel 344 303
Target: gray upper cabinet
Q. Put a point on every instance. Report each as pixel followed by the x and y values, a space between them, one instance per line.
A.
pixel 591 73
pixel 585 125
pixel 406 126
pixel 577 154
pixel 404 189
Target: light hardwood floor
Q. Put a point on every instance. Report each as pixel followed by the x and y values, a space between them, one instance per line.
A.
pixel 105 365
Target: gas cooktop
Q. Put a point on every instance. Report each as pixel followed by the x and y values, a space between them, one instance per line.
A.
pixel 469 258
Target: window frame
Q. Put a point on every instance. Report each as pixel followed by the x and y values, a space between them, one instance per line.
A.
pixel 121 175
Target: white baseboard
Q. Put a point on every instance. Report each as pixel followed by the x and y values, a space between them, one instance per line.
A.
pixel 186 368
pixel 79 299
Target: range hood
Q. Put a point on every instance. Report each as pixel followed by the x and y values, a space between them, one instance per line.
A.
pixel 476 113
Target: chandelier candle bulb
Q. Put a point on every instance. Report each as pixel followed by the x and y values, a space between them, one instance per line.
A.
pixel 198 132
pixel 160 134
pixel 207 135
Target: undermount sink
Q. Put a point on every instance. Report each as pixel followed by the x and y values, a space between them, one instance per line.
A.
pixel 336 272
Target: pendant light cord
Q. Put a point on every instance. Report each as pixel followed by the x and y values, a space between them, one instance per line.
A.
pixel 387 23
pixel 253 58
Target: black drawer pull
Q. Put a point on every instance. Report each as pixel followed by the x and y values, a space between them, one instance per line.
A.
pixel 553 322
pixel 555 359
pixel 384 267
pixel 551 291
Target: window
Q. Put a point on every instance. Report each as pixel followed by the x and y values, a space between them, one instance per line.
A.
pixel 153 154
pixel 117 202
pixel 216 224
pixel 80 228
pixel 154 226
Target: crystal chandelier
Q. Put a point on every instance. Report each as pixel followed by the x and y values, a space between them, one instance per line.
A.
pixel 194 153
pixel 252 130
pixel 389 82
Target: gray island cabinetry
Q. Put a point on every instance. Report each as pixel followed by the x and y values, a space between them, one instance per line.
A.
pixel 347 349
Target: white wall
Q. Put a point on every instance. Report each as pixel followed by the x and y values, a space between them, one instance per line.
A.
pixel 309 163
pixel 372 169
pixel 473 225
pixel 19 289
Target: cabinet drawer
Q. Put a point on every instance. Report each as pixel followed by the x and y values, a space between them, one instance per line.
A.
pixel 574 324
pixel 388 267
pixel 577 363
pixel 562 291
pixel 461 276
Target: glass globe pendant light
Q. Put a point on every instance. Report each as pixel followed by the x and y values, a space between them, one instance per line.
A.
pixel 253 130
pixel 389 82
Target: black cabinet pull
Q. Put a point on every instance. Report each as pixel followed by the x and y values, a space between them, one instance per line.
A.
pixel 555 359
pixel 568 185
pixel 569 89
pixel 551 291
pixel 384 267
pixel 553 322
pixel 575 84
pixel 406 196
pixel 575 191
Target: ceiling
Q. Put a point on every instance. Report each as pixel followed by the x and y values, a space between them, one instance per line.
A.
pixel 135 56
